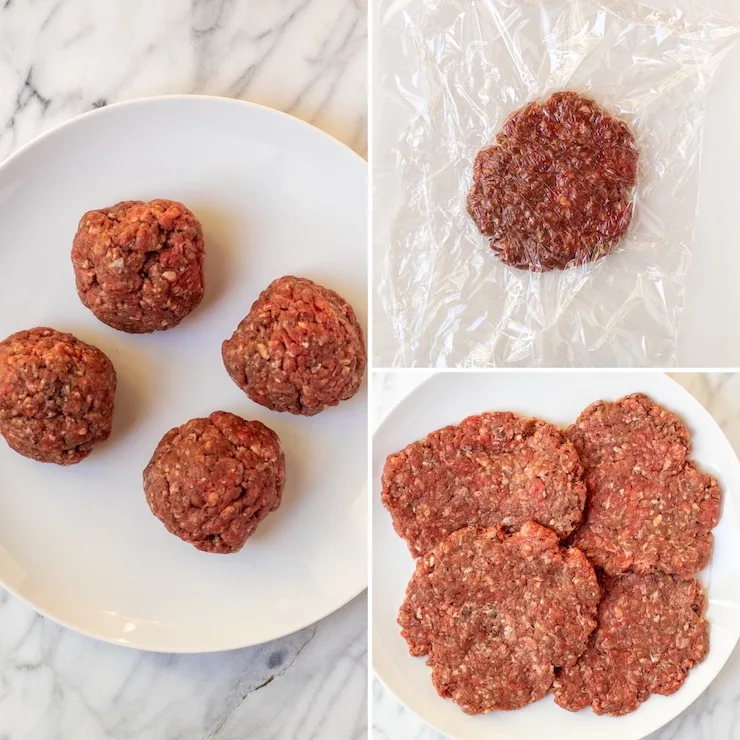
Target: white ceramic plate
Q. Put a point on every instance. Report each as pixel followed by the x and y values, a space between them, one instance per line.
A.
pixel 275 196
pixel 557 397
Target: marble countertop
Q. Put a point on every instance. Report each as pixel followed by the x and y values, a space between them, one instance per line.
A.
pixel 59 59
pixel 715 715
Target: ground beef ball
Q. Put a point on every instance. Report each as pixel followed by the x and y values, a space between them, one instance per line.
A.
pixel 299 349
pixel 56 395
pixel 496 614
pixel 556 189
pixel 139 266
pixel 212 481
pixel 650 634
pixel 649 507
pixel 496 468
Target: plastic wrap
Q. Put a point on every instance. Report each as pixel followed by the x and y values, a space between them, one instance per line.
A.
pixel 449 73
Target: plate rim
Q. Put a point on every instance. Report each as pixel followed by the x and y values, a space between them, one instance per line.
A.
pixel 386 420
pixel 170 97
pixel 358 159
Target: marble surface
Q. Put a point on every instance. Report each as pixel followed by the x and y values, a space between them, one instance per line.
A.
pixel 60 58
pixel 716 714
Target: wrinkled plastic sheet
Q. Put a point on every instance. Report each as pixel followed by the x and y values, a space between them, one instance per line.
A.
pixel 449 73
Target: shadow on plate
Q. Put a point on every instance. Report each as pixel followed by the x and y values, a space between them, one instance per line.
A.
pixel 223 253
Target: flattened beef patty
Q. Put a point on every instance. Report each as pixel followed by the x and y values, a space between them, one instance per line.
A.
pixel 212 481
pixel 650 634
pixel 56 395
pixel 649 507
pixel 556 189
pixel 496 614
pixel 491 469
pixel 139 266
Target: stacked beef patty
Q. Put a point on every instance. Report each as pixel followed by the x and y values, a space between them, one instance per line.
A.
pixel 551 559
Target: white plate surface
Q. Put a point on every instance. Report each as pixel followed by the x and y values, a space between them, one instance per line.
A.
pixel 557 397
pixel 275 196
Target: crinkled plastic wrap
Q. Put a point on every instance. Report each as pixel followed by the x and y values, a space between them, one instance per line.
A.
pixel 449 73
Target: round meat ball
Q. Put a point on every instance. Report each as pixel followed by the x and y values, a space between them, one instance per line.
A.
pixel 299 349
pixel 212 481
pixel 139 266
pixel 56 395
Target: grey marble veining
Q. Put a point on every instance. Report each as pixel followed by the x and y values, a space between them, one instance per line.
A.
pixel 715 715
pixel 57 684
pixel 60 58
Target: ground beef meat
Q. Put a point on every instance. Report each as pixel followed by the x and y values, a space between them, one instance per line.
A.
pixel 496 468
pixel 496 614
pixel 650 634
pixel 139 266
pixel 649 507
pixel 56 395
pixel 556 189
pixel 299 349
pixel 212 481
